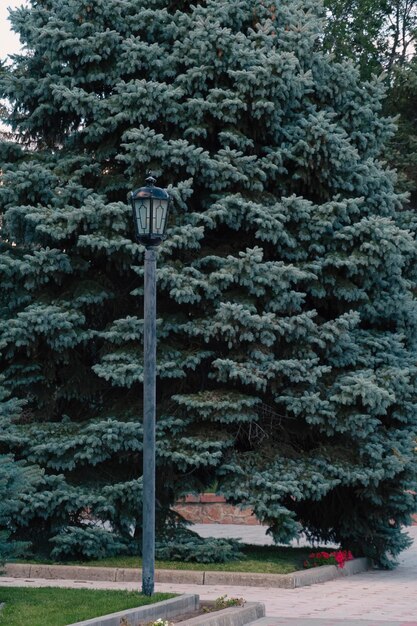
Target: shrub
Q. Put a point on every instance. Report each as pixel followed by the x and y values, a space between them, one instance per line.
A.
pixel 198 550
pixel 87 543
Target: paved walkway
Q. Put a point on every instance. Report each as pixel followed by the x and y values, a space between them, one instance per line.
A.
pixel 248 534
pixel 370 597
pixel 375 598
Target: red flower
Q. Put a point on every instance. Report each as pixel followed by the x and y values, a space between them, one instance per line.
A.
pixel 339 558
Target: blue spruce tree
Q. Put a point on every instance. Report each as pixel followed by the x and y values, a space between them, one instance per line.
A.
pixel 287 330
pixel 18 481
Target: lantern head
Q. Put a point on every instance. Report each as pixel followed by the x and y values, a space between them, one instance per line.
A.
pixel 150 207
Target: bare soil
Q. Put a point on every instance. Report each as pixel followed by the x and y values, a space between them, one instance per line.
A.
pixel 205 608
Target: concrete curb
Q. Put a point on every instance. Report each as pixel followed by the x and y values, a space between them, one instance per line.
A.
pixel 245 579
pixel 165 609
pixel 329 572
pixel 169 609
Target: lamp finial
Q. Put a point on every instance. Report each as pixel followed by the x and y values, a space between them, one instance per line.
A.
pixel 150 180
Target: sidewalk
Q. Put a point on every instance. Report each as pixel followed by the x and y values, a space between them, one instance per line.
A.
pixel 370 597
pixel 375 598
pixel 248 534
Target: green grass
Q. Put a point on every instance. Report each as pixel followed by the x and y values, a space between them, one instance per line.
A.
pixel 50 606
pixel 258 559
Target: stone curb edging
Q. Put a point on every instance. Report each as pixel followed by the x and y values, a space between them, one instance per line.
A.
pixel 330 572
pixel 246 579
pixel 169 609
pixel 165 609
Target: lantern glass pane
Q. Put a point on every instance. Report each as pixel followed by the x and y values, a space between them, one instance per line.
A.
pixel 159 216
pixel 142 210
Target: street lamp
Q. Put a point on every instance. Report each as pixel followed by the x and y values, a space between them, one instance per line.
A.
pixel 150 207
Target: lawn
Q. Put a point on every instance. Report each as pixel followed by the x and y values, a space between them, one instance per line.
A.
pixel 51 606
pixel 258 559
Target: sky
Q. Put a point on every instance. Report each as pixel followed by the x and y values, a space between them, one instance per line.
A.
pixel 9 42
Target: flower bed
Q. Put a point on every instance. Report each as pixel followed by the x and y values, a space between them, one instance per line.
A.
pixel 339 558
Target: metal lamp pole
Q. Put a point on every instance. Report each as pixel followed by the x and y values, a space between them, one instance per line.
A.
pixel 150 206
pixel 149 418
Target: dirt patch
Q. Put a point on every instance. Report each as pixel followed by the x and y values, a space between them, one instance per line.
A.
pixel 203 610
pixel 210 606
pixel 207 607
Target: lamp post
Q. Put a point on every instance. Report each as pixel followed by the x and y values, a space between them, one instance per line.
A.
pixel 150 207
